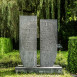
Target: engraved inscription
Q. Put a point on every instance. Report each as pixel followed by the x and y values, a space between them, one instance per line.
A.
pixel 28 40
pixel 48 42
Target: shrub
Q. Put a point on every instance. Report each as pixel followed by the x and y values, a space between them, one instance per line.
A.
pixel 5 45
pixel 72 54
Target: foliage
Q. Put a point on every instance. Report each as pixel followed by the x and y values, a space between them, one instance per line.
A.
pixel 62 10
pixel 72 55
pixel 9 16
pixel 5 45
pixel 9 19
pixel 27 6
pixel 67 30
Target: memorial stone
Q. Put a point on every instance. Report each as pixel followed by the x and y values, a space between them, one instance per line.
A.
pixel 48 42
pixel 28 40
pixel 28 45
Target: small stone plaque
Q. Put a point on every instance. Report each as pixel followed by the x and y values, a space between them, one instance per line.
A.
pixel 48 42
pixel 28 40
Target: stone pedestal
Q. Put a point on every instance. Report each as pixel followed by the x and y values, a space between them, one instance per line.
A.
pixel 28 40
pixel 55 69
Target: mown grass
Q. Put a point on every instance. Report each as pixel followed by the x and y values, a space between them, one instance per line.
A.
pixel 12 59
pixel 10 72
pixel 61 58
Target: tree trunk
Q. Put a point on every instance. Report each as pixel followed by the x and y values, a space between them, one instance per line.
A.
pixel 58 6
pixel 52 9
pixel 66 18
pixel 47 9
pixel 38 16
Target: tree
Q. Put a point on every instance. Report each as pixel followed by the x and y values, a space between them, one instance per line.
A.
pixel 58 18
pixel 9 19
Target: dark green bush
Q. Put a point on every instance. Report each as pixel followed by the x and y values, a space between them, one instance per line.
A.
pixel 5 45
pixel 72 54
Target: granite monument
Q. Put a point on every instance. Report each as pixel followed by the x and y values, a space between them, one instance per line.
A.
pixel 28 40
pixel 48 42
pixel 28 45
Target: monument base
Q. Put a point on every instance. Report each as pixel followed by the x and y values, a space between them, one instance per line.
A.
pixel 55 69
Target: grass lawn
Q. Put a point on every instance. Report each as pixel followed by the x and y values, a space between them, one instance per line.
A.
pixel 13 59
pixel 10 72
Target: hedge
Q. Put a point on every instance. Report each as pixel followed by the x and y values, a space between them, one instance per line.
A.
pixel 72 54
pixel 5 45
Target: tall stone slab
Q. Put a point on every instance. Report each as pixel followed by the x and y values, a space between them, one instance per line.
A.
pixel 28 40
pixel 48 42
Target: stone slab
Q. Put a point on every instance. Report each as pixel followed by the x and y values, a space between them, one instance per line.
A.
pixel 49 70
pixel 28 40
pixel 48 42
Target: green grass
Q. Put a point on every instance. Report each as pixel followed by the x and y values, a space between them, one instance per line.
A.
pixel 38 57
pixel 13 59
pixel 10 59
pixel 61 58
pixel 10 72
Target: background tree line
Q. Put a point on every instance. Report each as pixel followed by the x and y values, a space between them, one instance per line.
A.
pixel 63 10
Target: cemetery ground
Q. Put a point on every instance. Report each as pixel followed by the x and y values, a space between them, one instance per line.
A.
pixel 10 60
